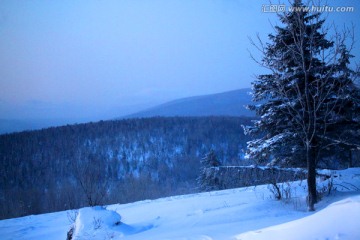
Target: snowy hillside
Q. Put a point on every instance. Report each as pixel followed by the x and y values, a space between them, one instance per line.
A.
pixel 147 154
pixel 230 103
pixel 244 213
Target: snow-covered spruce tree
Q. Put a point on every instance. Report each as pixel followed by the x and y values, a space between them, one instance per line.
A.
pixel 344 136
pixel 206 181
pixel 308 98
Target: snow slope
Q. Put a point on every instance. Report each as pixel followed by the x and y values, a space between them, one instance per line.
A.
pixel 229 214
pixel 340 220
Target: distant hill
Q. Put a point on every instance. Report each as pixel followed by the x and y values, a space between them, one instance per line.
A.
pixel 230 103
pixel 16 125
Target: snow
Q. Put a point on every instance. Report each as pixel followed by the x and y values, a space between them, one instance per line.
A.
pixel 243 213
pixel 101 223
pixel 340 220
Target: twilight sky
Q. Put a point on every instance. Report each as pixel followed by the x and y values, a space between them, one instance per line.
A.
pixel 90 59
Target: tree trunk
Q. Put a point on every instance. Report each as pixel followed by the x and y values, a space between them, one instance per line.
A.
pixel 311 177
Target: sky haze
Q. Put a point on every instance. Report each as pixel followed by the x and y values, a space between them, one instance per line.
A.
pixel 92 60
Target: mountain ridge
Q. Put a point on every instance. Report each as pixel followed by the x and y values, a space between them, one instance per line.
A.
pixel 230 103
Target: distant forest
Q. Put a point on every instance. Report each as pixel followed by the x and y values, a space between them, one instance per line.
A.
pixel 111 161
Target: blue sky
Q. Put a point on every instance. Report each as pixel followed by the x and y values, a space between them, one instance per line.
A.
pixel 92 60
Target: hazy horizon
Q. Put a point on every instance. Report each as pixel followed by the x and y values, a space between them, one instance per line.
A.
pixel 96 60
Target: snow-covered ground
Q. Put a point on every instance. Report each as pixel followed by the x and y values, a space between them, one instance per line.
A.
pixel 244 213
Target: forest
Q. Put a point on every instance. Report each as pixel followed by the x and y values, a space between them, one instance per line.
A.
pixel 115 161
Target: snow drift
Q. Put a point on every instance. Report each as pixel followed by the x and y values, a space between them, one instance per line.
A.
pixel 101 223
pixel 340 220
pixel 228 214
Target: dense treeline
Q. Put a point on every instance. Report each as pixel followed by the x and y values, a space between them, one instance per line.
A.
pixel 111 161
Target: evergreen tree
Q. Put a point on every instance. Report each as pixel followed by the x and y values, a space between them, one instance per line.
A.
pixel 205 180
pixel 307 96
